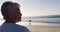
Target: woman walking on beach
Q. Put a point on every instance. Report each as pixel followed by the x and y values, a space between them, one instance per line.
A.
pixel 11 13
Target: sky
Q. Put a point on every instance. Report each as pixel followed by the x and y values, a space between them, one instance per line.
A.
pixel 37 7
pixel 40 7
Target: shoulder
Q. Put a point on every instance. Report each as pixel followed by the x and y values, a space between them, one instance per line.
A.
pixel 23 28
pixel 14 27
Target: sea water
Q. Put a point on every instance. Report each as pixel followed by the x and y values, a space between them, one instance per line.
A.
pixel 39 21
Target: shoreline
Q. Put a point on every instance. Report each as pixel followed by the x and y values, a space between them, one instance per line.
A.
pixel 34 28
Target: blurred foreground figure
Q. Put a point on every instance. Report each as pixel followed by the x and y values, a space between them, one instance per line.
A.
pixel 11 13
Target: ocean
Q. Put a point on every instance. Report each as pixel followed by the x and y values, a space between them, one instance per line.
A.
pixel 41 21
pixel 38 21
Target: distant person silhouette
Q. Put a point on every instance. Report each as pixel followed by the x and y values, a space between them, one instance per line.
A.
pixel 11 13
pixel 29 22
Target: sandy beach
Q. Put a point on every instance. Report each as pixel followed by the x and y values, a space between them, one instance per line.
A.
pixel 34 28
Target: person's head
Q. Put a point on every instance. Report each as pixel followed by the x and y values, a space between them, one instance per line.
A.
pixel 11 11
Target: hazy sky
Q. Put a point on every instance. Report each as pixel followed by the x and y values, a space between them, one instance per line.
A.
pixel 39 7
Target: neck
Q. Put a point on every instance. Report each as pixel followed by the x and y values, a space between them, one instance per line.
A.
pixel 10 22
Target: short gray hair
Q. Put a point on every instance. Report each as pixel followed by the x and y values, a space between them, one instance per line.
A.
pixel 7 7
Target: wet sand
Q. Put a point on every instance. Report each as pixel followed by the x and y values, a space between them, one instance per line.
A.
pixel 34 28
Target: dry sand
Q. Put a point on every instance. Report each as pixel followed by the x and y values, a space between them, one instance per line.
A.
pixel 33 28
